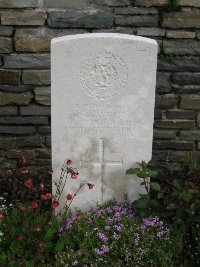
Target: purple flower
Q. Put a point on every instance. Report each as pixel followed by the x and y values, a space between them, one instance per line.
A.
pixel 102 237
pixel 104 249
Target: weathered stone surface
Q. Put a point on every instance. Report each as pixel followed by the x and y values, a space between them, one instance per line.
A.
pixel 18 3
pixel 8 110
pixel 35 110
pixel 164 134
pixel 17 130
pixel 38 39
pixel 180 114
pixel 151 2
pixel 174 124
pixel 27 61
pixel 177 156
pixel 163 82
pixel 36 77
pixel 48 141
pixel 77 19
pixel 16 88
pixel 113 2
pixel 40 162
pixel 180 34
pixel 128 30
pixel 192 3
pixel 186 89
pixel 43 95
pixel 5 45
pixel 190 102
pixel 23 17
pixel 138 21
pixel 44 130
pixel 185 78
pixel 30 141
pixel 159 155
pixel 179 63
pixel 68 4
pixel 198 119
pixel 181 47
pixel 151 32
pixel 166 101
pixel 44 153
pixel 9 77
pixel 188 19
pixel 6 30
pixel 136 11
pixel 157 114
pixel 5 163
pixel 17 154
pixel 23 120
pixel 170 144
pixel 7 143
pixel 13 98
pixel 190 135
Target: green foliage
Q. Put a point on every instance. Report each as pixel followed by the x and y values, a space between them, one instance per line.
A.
pixel 172 5
pixel 177 201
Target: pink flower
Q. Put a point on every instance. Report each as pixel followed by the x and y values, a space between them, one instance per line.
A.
pixel 78 216
pixel 48 196
pixel 2 215
pixel 9 172
pixel 74 175
pixel 43 197
pixel 24 171
pixel 41 187
pixel 20 237
pixel 90 185
pixel 34 204
pixel 23 160
pixel 69 197
pixel 69 162
pixel 28 184
pixel 37 229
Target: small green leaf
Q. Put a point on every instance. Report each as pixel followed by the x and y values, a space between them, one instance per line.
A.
pixel 186 196
pixel 132 171
pixel 160 195
pixel 156 187
pixel 152 173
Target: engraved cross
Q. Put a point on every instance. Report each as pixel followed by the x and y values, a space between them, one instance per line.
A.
pixel 101 163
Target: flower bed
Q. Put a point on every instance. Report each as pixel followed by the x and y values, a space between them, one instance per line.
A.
pixel 159 229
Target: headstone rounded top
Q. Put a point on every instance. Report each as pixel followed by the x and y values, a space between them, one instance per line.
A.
pixel 103 35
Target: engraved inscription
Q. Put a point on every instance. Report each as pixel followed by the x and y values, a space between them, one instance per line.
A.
pixel 103 75
pixel 100 119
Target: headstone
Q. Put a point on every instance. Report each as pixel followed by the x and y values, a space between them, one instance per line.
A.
pixel 103 91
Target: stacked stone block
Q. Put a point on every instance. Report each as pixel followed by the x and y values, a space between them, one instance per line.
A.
pixel 27 27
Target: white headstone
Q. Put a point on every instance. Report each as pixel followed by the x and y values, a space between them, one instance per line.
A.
pixel 103 91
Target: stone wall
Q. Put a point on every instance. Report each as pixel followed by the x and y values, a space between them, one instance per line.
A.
pixel 27 26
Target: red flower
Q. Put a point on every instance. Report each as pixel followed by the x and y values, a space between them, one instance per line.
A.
pixel 37 229
pixel 74 175
pixel 69 162
pixel 24 171
pixel 55 203
pixel 78 216
pixel 28 184
pixel 2 215
pixel 22 208
pixel 69 197
pixel 34 204
pixel 20 237
pixel 90 185
pixel 23 160
pixel 41 187
pixel 48 196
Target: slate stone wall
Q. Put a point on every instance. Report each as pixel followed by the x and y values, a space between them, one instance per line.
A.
pixel 27 26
